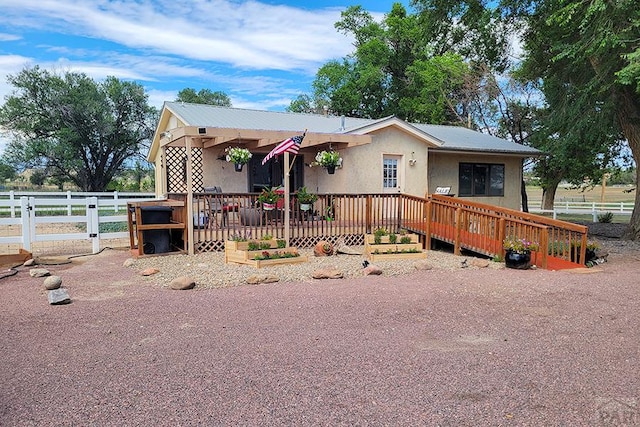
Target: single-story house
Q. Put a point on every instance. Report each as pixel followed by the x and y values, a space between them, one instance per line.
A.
pixel 386 155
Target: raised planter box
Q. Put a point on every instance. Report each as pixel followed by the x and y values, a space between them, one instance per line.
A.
pixel 389 251
pixel 239 253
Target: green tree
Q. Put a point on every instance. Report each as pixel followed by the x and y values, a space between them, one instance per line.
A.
pixel 390 72
pixel 590 49
pixel 204 96
pixel 38 177
pixel 78 130
pixel 7 172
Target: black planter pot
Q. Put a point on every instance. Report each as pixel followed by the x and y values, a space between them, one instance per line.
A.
pixel 517 260
pixel 238 167
pixel 331 170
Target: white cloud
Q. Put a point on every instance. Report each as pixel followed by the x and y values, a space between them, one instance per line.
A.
pixel 4 37
pixel 247 34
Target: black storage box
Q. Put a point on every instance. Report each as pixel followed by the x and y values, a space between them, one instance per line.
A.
pixel 156 241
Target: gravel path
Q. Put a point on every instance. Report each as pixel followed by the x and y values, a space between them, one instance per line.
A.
pixel 447 346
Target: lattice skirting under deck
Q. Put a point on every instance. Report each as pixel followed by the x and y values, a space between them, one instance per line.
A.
pixel 299 242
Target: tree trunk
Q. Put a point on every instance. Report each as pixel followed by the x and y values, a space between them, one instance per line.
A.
pixel 629 120
pixel 549 194
pixel 523 195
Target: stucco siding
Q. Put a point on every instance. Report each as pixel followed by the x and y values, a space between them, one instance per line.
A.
pixel 362 166
pixel 221 173
pixel 444 167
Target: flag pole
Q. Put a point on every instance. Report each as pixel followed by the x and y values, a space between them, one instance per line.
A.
pixel 286 197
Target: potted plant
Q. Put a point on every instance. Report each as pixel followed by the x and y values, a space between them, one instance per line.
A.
pixel 268 198
pixel 305 198
pixel 329 160
pixel 238 156
pixel 518 252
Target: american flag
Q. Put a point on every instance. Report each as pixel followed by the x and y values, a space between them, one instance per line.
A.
pixel 291 145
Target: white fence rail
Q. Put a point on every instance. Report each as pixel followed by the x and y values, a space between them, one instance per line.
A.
pixel 10 200
pixel 584 208
pixel 88 213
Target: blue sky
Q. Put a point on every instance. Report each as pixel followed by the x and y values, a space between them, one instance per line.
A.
pixel 261 53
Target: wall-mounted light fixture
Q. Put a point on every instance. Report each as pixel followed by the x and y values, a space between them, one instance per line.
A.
pixel 413 160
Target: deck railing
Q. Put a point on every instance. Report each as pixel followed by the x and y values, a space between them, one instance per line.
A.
pixel 482 228
pixel 466 225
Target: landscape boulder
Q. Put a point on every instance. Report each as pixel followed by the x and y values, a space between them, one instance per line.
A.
pixel 182 283
pixel 149 271
pixel 39 272
pixel 256 279
pixel 52 282
pixel 479 263
pixel 328 273
pixel 422 266
pixel 372 270
pixel 58 296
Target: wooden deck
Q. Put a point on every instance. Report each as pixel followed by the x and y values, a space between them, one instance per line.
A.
pixel 466 225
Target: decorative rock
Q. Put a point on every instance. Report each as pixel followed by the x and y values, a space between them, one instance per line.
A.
pixel 128 262
pixel 479 262
pixel 341 247
pixel 182 283
pixel 323 248
pixel 327 273
pixel 52 282
pixel 149 271
pixel 39 272
pixel 30 262
pixel 422 265
pixel 372 270
pixel 256 279
pixel 58 296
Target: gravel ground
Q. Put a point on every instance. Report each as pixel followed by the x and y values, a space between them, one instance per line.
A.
pixel 446 346
pixel 210 271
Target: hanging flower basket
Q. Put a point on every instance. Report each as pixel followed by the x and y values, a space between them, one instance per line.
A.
pixel 238 156
pixel 268 206
pixel 328 160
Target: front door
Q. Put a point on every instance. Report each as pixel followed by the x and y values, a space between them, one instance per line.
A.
pixel 391 175
pixel 271 174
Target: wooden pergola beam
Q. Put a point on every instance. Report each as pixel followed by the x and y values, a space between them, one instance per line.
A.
pixel 207 137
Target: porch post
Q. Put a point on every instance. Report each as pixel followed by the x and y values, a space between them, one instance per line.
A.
pixel 287 225
pixel 163 175
pixel 190 233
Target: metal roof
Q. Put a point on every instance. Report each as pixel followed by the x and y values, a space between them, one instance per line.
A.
pixel 452 137
pixel 238 118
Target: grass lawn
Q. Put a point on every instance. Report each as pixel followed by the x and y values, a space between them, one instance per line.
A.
pixel 611 194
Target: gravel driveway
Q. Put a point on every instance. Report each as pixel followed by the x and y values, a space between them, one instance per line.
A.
pixel 463 347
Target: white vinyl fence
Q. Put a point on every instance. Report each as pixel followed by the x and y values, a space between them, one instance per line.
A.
pixel 583 208
pixel 84 210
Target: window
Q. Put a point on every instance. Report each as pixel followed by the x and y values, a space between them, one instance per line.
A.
pixel 481 179
pixel 389 172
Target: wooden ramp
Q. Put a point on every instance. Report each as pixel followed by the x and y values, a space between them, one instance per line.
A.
pixel 482 228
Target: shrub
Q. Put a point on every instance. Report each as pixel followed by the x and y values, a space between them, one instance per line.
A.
pixel 606 217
